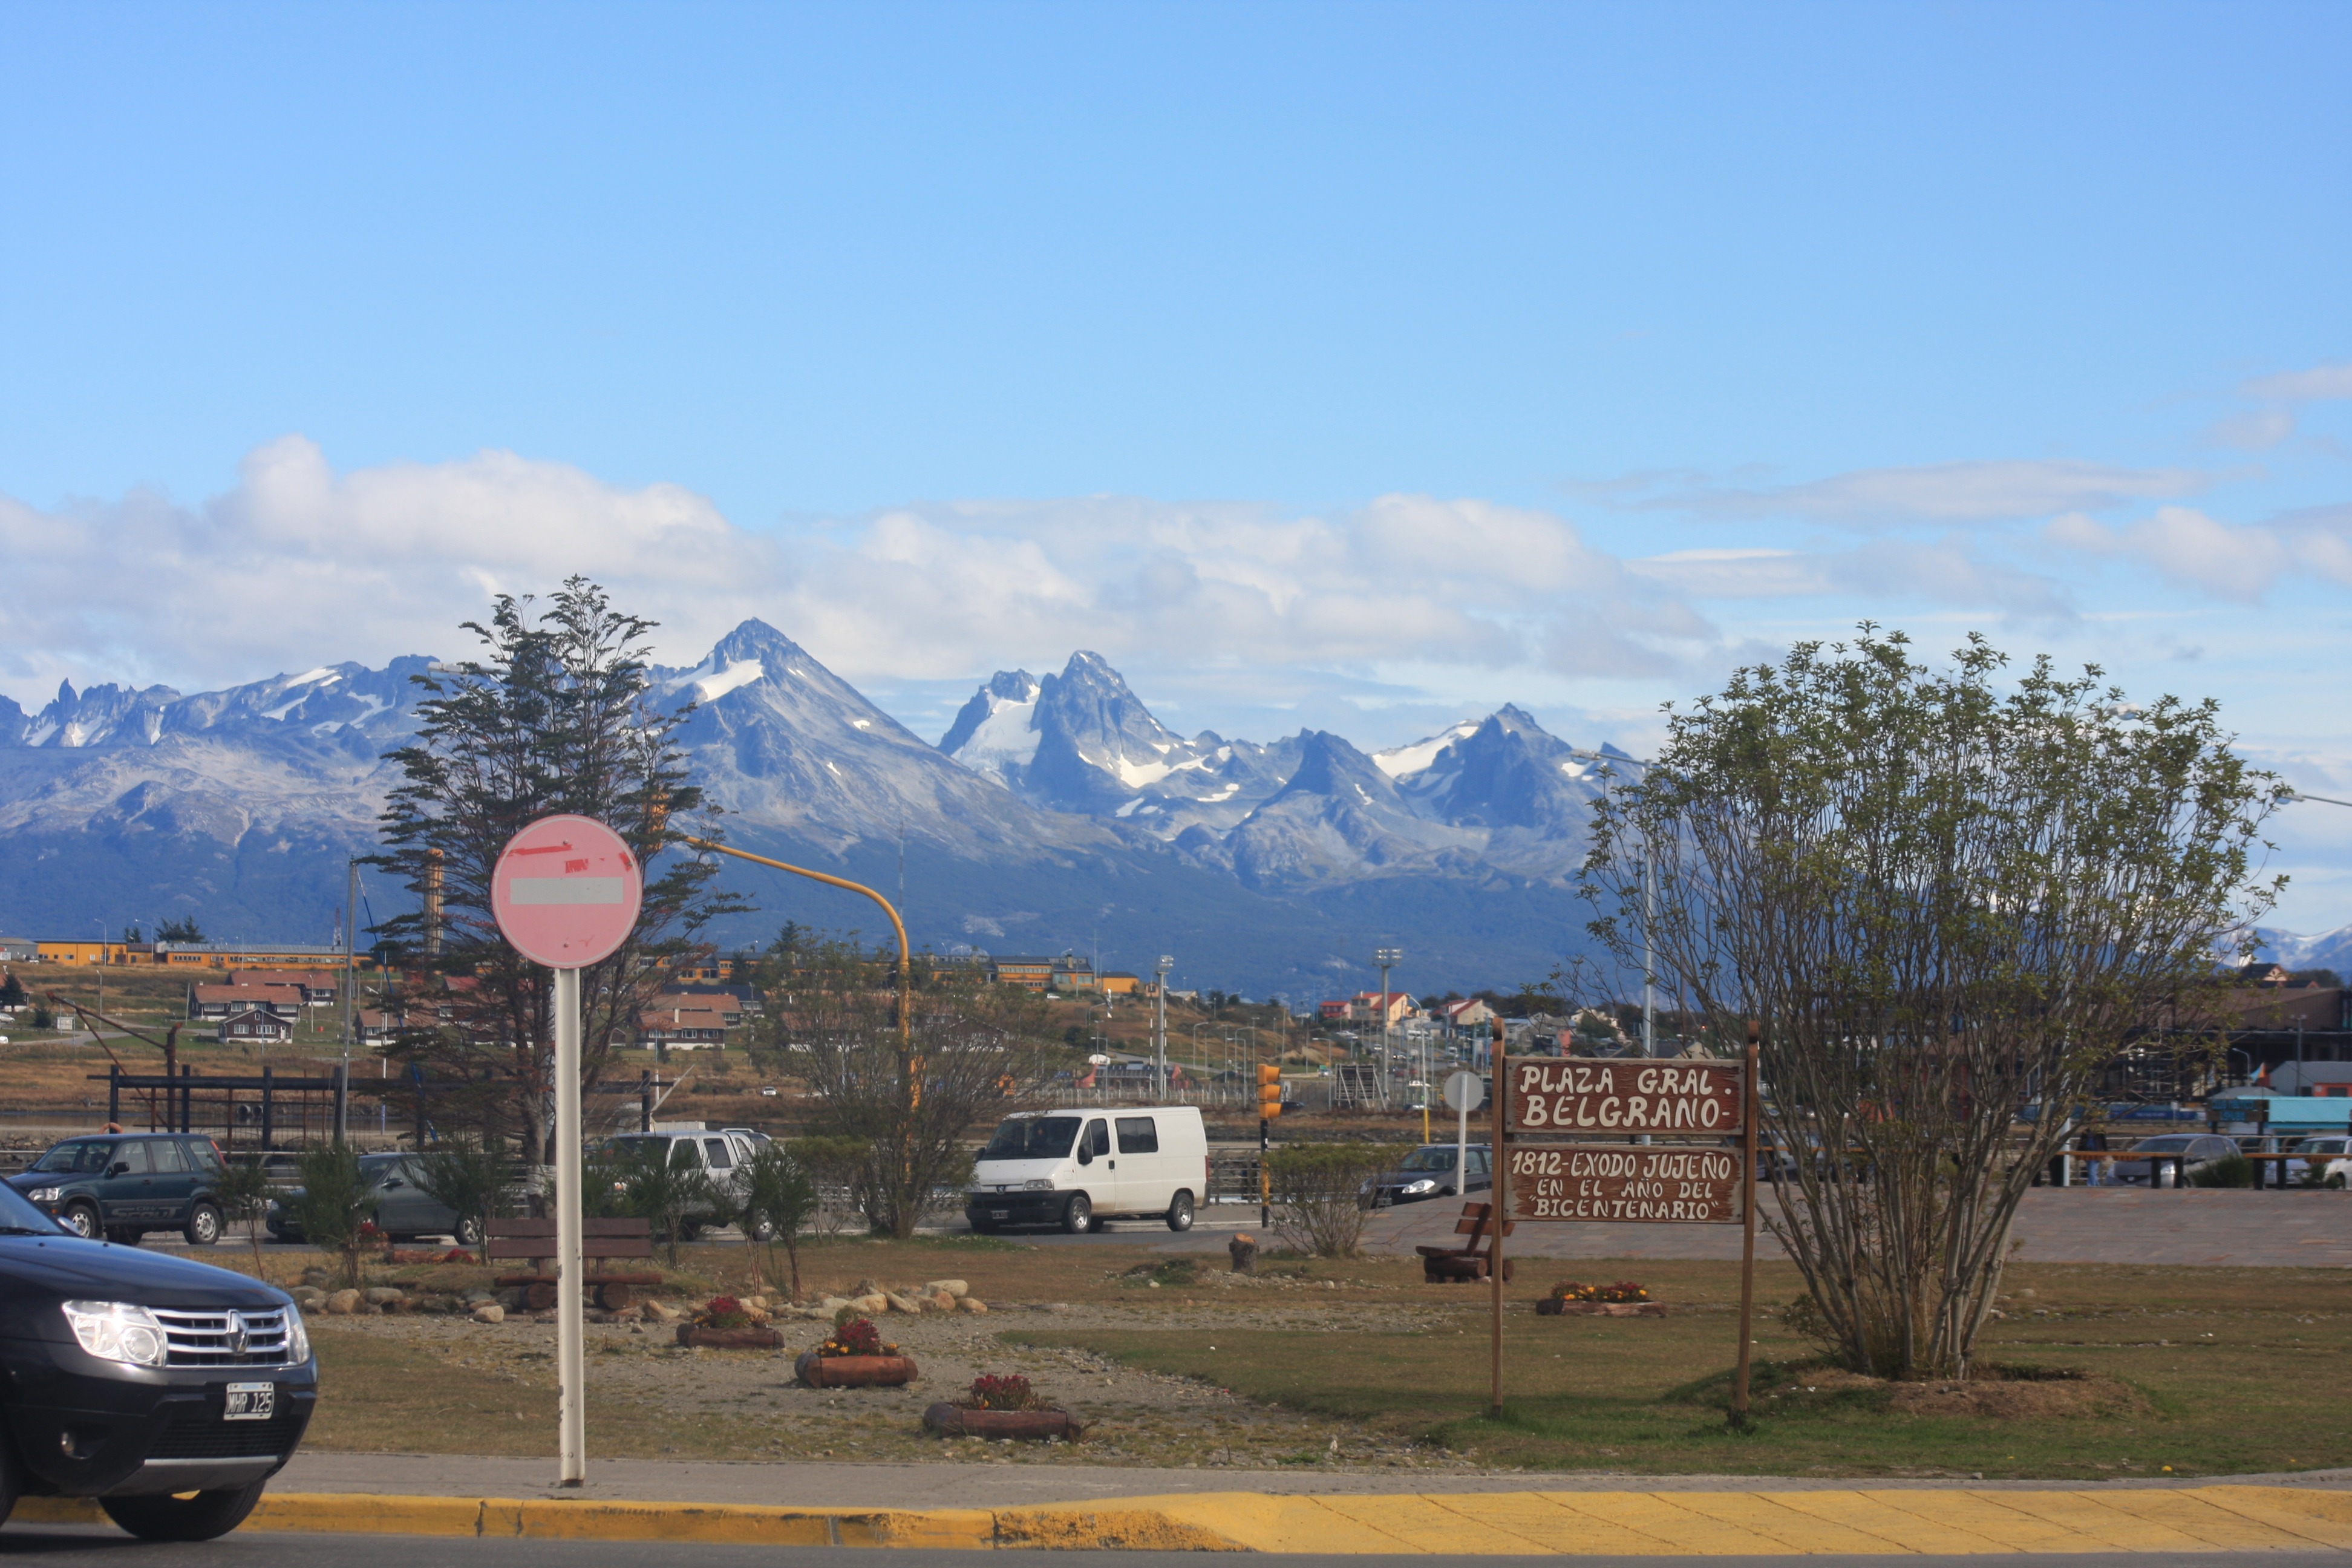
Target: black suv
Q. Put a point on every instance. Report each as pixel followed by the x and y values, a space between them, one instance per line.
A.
pixel 167 1389
pixel 123 1185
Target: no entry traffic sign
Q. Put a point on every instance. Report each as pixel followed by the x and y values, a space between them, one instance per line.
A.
pixel 566 891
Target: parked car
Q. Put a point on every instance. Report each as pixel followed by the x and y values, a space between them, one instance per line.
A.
pixel 2193 1150
pixel 718 1155
pixel 1428 1173
pixel 167 1389
pixel 2325 1160
pixel 1064 1168
pixel 404 1211
pixel 120 1185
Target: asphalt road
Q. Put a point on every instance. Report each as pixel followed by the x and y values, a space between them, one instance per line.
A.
pixel 91 1548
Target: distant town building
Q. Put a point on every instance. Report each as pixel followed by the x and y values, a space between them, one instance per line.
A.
pixel 254 1025
pixel 1031 974
pixel 226 1001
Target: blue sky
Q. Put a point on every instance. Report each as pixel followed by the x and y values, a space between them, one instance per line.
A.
pixel 1359 366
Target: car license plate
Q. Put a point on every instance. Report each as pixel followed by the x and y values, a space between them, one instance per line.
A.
pixel 1000 1214
pixel 250 1402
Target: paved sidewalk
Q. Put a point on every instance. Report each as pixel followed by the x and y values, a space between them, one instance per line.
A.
pixel 2070 1224
pixel 1031 1483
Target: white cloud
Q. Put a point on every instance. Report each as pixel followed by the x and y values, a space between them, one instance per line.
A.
pixel 2236 562
pixel 2257 431
pixel 2321 382
pixel 1947 571
pixel 299 564
pixel 1936 493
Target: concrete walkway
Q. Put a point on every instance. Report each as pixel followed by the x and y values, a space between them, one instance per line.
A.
pixel 2070 1224
pixel 1036 1479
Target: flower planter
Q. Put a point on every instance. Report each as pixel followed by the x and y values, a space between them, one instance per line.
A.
pixel 1553 1307
pixel 855 1370
pixel 1033 1425
pixel 752 1339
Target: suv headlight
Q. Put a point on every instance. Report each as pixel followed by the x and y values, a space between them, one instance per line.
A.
pixel 45 1194
pixel 117 1330
pixel 297 1336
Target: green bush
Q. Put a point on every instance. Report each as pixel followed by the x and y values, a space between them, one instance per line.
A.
pixel 467 1176
pixel 2228 1171
pixel 780 1201
pixel 336 1200
pixel 1319 1189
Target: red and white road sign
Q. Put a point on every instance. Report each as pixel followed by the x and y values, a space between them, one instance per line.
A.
pixel 566 891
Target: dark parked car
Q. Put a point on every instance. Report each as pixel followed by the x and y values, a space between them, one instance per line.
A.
pixel 402 1209
pixel 122 1185
pixel 1428 1173
pixel 2195 1151
pixel 167 1389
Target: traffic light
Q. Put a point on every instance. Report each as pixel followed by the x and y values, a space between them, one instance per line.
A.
pixel 1269 1091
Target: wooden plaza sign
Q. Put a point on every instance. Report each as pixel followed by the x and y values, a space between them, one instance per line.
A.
pixel 1627 1140
pixel 1625 1182
pixel 1609 1096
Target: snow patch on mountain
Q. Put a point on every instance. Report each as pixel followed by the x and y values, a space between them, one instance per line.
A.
pixel 1399 761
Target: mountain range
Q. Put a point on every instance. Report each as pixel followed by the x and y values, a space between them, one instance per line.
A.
pixel 1055 812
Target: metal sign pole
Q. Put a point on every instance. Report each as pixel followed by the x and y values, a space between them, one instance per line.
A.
pixel 1747 1231
pixel 571 1358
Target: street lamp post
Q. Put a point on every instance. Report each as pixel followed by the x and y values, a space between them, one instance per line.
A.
pixel 1386 959
pixel 1159 1028
pixel 1649 904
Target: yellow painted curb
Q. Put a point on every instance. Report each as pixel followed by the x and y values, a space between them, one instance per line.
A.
pixel 1574 1524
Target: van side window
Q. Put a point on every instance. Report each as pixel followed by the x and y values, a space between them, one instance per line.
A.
pixel 1138 1135
pixel 716 1148
pixel 167 1155
pixel 1098 1138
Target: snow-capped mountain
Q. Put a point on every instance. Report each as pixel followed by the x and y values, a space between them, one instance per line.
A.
pixel 2328 950
pixel 1055 812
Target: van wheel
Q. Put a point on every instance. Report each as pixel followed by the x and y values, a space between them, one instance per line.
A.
pixel 1079 1217
pixel 198 1518
pixel 203 1227
pixel 1179 1212
pixel 759 1227
pixel 81 1219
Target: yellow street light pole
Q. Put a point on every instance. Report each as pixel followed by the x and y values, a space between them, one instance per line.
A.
pixel 911 1068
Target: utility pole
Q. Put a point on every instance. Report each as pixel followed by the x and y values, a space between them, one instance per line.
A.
pixel 350 998
pixel 1159 1029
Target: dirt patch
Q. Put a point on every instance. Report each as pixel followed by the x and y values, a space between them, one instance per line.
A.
pixel 2019 1393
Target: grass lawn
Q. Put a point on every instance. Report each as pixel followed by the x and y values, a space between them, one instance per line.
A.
pixel 2206 1371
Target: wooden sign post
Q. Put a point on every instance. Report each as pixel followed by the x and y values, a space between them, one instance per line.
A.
pixel 1627 1140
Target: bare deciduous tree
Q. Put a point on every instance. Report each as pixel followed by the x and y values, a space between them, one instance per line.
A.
pixel 1947 901
pixel 979 1051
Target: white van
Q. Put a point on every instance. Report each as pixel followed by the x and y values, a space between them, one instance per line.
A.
pixel 1078 1168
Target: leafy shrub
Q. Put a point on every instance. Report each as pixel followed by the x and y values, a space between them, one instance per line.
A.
pixel 2228 1171
pixel 723 1312
pixel 1009 1392
pixel 1320 1188
pixel 335 1205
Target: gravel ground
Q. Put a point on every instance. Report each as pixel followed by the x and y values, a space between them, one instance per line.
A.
pixel 1135 1417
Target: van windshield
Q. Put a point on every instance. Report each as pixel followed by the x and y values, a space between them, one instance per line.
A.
pixel 1032 1138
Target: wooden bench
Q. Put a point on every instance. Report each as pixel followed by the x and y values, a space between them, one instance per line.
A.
pixel 600 1239
pixel 1471 1259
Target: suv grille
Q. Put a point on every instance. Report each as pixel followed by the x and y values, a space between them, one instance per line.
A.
pixel 198 1432
pixel 214 1337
